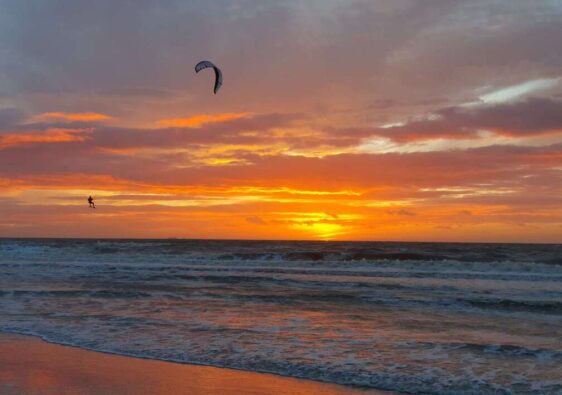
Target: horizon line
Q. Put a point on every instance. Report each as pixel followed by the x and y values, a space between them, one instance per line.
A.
pixel 272 240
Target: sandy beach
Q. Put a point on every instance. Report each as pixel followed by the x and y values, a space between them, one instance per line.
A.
pixel 29 365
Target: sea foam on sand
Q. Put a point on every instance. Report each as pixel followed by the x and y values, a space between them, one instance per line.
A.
pixel 29 365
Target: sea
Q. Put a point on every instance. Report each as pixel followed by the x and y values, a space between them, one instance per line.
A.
pixel 417 318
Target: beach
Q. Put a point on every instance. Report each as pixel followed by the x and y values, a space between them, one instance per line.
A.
pixel 29 365
pixel 404 317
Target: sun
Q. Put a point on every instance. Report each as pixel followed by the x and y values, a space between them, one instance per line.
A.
pixel 321 230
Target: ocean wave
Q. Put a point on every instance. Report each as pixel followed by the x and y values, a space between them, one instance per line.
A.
pixel 410 317
pixel 505 350
pixel 40 249
pixel 75 294
pixel 517 305
pixel 428 381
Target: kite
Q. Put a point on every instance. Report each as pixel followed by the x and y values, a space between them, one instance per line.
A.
pixel 218 74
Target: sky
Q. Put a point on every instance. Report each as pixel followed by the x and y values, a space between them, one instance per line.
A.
pixel 433 120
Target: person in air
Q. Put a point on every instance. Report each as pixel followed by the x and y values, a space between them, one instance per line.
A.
pixel 91 202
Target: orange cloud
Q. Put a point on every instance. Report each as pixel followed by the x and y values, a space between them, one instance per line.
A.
pixel 233 184
pixel 51 136
pixel 198 120
pixel 69 116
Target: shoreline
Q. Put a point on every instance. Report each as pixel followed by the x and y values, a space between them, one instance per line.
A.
pixel 32 365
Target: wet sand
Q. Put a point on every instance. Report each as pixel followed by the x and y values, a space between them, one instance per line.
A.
pixel 29 365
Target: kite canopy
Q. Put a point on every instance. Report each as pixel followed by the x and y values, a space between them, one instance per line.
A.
pixel 218 74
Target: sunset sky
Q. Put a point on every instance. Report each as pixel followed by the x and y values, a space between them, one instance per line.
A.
pixel 338 119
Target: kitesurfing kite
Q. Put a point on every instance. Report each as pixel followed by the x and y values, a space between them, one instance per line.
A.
pixel 218 74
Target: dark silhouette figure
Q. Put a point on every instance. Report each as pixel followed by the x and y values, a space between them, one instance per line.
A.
pixel 91 202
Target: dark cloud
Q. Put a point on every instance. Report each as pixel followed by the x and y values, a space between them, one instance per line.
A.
pixel 137 92
pixel 531 117
pixel 504 166
pixel 232 132
pixel 495 43
pixel 277 52
pixel 256 220
pixel 235 131
pixel 10 117
pixel 402 212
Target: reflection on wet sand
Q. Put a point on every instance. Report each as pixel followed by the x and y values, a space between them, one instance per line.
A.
pixel 31 366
